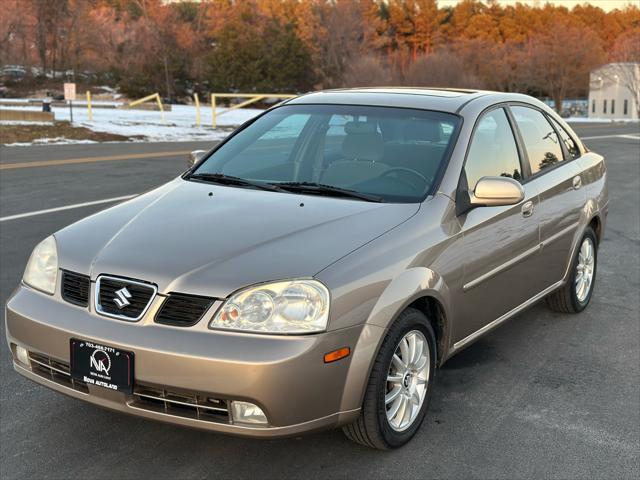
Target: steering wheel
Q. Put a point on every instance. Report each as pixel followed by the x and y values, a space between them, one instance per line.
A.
pixel 424 181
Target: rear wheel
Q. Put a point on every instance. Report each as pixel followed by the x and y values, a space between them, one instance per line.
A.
pixel 575 295
pixel 400 384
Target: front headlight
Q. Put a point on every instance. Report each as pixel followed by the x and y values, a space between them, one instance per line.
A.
pixel 42 269
pixel 296 306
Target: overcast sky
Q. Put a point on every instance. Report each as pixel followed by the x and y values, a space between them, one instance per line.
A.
pixel 603 4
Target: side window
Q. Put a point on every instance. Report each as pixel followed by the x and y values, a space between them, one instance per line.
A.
pixel 269 154
pixel 540 139
pixel 290 127
pixel 446 130
pixel 569 142
pixel 493 150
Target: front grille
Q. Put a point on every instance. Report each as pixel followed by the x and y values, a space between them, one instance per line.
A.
pixel 197 406
pixel 183 310
pixel 75 288
pixel 112 292
pixel 181 404
pixel 56 371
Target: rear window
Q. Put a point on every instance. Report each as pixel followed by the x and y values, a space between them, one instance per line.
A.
pixel 540 139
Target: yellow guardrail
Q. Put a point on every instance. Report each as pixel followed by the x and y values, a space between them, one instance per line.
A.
pixel 89 109
pixel 155 96
pixel 252 98
pixel 197 100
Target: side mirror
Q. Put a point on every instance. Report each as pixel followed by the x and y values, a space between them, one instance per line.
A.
pixel 194 157
pixel 496 191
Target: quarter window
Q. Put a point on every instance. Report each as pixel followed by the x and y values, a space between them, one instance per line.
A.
pixel 569 142
pixel 540 139
pixel 493 151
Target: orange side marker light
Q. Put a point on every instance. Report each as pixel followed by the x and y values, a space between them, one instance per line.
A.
pixel 337 354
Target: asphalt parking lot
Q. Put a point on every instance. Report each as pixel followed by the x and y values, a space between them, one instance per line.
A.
pixel 544 396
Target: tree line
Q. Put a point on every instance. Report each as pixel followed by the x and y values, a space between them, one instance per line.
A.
pixel 181 47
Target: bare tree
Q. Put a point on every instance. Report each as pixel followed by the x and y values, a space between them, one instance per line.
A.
pixel 441 69
pixel 49 30
pixel 557 62
pixel 625 71
pixel 14 33
pixel 367 71
pixel 340 40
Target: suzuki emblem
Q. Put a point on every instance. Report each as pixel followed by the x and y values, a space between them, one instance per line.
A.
pixel 122 298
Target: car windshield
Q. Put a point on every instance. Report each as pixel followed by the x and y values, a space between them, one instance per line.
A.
pixel 380 153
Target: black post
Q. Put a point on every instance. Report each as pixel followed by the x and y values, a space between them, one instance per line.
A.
pixel 71 110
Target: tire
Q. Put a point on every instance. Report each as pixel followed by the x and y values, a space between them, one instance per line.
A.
pixel 570 298
pixel 373 428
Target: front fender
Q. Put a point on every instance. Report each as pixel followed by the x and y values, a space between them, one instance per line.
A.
pixel 403 290
pixel 409 286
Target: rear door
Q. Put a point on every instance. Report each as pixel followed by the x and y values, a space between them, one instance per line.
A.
pixel 500 243
pixel 549 152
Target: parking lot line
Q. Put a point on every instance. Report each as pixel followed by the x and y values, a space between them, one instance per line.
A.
pixel 71 161
pixel 634 137
pixel 66 207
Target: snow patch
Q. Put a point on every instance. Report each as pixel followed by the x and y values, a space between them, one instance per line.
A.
pixel 179 124
pixel 600 120
pixel 49 141
pixel 19 122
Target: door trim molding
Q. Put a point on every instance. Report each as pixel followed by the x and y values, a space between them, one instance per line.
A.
pixel 559 234
pixel 510 263
pixel 490 326
pixel 500 268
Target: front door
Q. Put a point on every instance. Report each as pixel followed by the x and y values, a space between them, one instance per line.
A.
pixel 501 244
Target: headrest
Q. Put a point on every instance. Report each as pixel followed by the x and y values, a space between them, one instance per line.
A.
pixel 362 142
pixel 359 127
pixel 421 131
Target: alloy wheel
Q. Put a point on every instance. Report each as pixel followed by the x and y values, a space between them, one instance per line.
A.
pixel 585 270
pixel 407 380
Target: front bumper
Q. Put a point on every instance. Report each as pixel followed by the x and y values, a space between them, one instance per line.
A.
pixel 284 375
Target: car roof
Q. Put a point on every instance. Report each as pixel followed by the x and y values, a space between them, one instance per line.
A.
pixel 441 99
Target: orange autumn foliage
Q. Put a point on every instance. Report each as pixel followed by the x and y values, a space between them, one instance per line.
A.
pixel 172 46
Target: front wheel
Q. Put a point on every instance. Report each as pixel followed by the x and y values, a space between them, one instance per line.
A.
pixel 575 295
pixel 399 387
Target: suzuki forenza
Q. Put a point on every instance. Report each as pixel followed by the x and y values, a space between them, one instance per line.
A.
pixel 316 267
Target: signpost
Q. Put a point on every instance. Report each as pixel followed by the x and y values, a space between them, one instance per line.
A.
pixel 70 95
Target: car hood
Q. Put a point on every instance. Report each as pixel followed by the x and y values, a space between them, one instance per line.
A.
pixel 211 240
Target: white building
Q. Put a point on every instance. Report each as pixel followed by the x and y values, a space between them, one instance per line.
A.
pixel 614 91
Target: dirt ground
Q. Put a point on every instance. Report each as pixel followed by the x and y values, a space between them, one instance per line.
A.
pixel 28 133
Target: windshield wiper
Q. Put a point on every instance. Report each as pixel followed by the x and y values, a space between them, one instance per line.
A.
pixel 222 179
pixel 321 189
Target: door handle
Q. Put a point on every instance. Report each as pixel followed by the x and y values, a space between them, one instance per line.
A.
pixel 527 209
pixel 577 182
